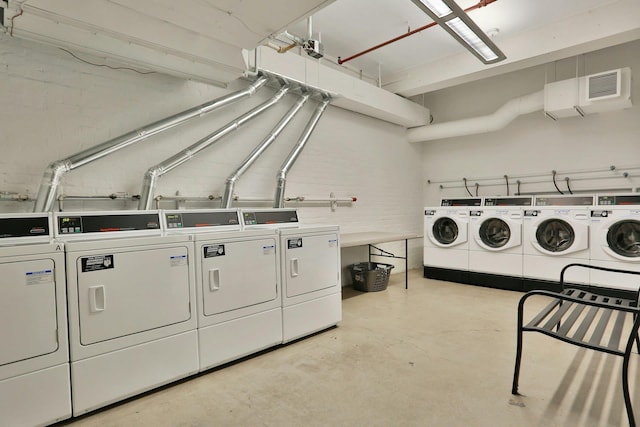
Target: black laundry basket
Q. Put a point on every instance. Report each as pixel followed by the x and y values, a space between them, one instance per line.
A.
pixel 370 276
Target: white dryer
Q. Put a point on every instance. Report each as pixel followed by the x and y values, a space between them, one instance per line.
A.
pixel 310 271
pixel 556 233
pixel 237 284
pixel 34 354
pixel 446 239
pixel 131 293
pixel 615 240
pixel 495 247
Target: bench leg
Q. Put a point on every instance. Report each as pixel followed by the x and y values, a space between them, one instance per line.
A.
pixel 516 370
pixel 625 389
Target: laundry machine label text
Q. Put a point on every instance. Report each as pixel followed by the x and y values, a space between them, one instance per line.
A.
pixel 212 251
pixel 178 260
pixel 532 212
pixel 97 263
pixel 294 243
pixel 600 214
pixel 39 277
pixel 475 213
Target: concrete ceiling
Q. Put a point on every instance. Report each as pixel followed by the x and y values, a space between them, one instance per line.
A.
pixel 529 32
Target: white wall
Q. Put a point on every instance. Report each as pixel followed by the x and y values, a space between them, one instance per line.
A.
pixel 534 144
pixel 54 106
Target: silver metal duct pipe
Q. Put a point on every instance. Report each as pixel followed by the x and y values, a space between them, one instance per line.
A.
pixel 295 152
pixel 54 172
pixel 155 172
pixel 257 152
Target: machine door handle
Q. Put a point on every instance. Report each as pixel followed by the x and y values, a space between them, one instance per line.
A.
pixel 294 267
pixel 97 299
pixel 214 279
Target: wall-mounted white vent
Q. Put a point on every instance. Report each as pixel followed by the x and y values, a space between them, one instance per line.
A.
pixel 604 85
pixel 595 93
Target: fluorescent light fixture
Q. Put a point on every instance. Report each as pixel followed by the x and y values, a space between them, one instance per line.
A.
pixel 457 23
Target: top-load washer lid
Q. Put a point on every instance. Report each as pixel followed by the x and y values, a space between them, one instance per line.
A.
pixel 623 238
pixel 109 224
pixel 564 200
pixel 25 228
pixel 555 235
pixel 201 220
pixel 464 201
pixel 269 218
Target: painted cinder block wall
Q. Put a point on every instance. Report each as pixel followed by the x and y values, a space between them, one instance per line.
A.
pixel 55 105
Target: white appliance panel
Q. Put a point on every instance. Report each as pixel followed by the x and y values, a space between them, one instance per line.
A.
pixel 238 274
pixel 311 263
pixel 311 316
pixel 28 310
pixel 138 291
pixel 451 258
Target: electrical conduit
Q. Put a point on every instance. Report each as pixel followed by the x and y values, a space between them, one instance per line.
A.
pixel 55 171
pixel 489 123
pixel 295 152
pixel 257 152
pixel 155 172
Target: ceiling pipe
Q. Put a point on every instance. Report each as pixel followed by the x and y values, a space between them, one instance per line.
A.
pixel 257 152
pixel 55 170
pixel 475 125
pixel 341 61
pixel 279 198
pixel 154 173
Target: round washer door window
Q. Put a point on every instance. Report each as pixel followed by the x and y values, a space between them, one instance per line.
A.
pixel 495 233
pixel 445 230
pixel 555 235
pixel 623 238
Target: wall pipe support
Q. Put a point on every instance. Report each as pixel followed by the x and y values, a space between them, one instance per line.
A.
pixel 260 148
pixel 56 170
pixel 279 198
pixel 154 173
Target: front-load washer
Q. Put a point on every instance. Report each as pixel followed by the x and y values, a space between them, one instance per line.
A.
pixel 446 239
pixel 237 284
pixel 309 268
pixel 495 246
pixel 131 294
pixel 556 233
pixel 34 355
pixel 615 240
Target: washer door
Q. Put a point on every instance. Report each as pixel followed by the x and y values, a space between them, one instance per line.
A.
pixel 560 236
pixel 447 231
pixel 623 240
pixel 498 234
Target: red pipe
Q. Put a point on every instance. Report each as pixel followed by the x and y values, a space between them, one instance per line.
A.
pixel 478 5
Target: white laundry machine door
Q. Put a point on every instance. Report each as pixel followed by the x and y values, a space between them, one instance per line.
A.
pixel 559 236
pixel 498 232
pixel 238 274
pixel 447 230
pixel 130 291
pixel 311 284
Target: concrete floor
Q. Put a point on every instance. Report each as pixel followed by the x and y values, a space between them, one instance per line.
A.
pixel 438 354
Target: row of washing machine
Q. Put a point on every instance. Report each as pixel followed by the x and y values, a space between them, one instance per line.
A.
pixel 96 307
pixel 522 243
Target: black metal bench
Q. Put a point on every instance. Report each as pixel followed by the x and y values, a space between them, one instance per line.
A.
pixel 587 319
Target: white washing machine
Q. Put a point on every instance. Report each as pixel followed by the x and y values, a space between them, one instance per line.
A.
pixel 34 354
pixel 237 284
pixel 309 268
pixel 446 239
pixel 131 293
pixel 556 233
pixel 495 246
pixel 615 240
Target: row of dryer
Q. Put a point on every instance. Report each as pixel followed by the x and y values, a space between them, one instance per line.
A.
pixel 96 307
pixel 522 243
